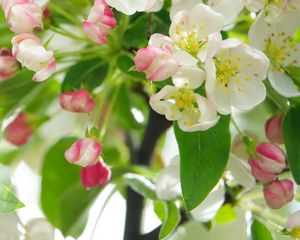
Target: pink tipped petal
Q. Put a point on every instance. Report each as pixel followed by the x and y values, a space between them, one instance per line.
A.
pixel 259 174
pixel 78 101
pixel 96 175
pixel 84 152
pixel 45 73
pixel 279 193
pixel 94 33
pixel 273 129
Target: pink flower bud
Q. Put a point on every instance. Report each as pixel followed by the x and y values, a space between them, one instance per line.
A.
pixel 29 51
pixel 279 193
pixel 157 63
pixel 8 64
pixel 98 174
pixel 19 131
pixel 79 101
pixel 273 129
pixel 84 152
pixel 99 22
pixel 270 158
pixel 259 174
pixel 23 16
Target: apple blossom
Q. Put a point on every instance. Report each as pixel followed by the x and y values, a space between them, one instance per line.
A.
pixel 234 76
pixel 19 131
pixel 228 8
pixel 130 7
pixel 190 29
pixel 78 101
pixel 84 152
pixel 192 111
pixel 23 16
pixel 273 129
pixel 39 229
pixel 157 63
pixel 279 193
pixel 29 51
pixel 96 175
pixel 8 64
pixel 276 40
pixel 99 22
pixel 293 225
pixel 9 226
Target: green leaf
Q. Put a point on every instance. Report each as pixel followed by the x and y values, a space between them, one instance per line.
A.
pixel 291 135
pixel 169 214
pixel 64 201
pixel 136 35
pixel 226 214
pixel 8 201
pixel 87 74
pixel 203 159
pixel 259 231
pixel 141 185
pixel 125 64
pixel 16 92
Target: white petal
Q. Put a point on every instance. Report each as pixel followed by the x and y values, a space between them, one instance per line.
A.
pixel 156 100
pixel 189 77
pixel 39 229
pixel 231 43
pixel 228 8
pixel 211 48
pixel 184 58
pixel 208 20
pixel 246 94
pixel 168 182
pixel 217 95
pixel 160 40
pixel 288 23
pixel 210 205
pixel 259 33
pixel 241 171
pixel 283 84
pixel 293 221
pixel 179 5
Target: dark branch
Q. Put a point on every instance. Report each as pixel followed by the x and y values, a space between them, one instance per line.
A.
pixel 157 125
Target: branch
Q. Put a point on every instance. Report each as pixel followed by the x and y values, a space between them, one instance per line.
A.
pixel 157 125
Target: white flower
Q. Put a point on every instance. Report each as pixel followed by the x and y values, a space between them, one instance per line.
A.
pixel 228 8
pixel 130 7
pixel 273 10
pixel 209 207
pixel 276 41
pixel 167 185
pixel 168 188
pixel 39 229
pixel 190 29
pixel 192 111
pixel 241 171
pixel 234 76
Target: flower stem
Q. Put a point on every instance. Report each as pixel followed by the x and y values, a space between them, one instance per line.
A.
pixel 64 13
pixel 237 127
pixel 66 33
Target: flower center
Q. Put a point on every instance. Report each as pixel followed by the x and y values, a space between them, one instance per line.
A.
pixel 295 233
pixel 184 99
pixel 188 40
pixel 279 49
pixel 226 69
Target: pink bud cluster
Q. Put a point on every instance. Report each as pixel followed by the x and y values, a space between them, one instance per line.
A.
pixel 269 162
pixel 77 101
pixel 86 153
pixel 99 22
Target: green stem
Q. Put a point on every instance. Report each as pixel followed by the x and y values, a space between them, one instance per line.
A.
pixel 77 52
pixel 67 34
pixel 280 101
pixel 64 13
pixel 237 127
